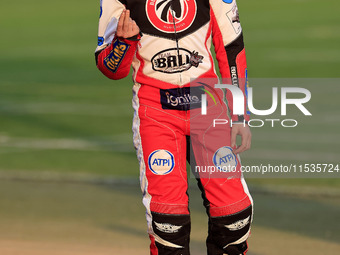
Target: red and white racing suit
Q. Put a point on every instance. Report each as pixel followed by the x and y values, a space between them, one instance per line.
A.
pixel 172 49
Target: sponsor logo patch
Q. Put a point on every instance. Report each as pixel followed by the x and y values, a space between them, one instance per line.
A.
pixel 163 14
pixel 167 227
pixel 238 224
pixel 234 19
pixel 100 40
pixel 175 60
pixel 224 158
pixel 182 99
pixel 234 77
pixel 115 57
pixel 161 162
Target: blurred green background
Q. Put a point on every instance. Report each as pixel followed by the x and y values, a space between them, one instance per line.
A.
pixel 68 169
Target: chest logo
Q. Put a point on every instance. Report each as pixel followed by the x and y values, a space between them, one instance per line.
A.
pixel 163 14
pixel 175 60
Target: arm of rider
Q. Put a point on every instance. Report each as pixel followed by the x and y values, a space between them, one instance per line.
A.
pixel 244 132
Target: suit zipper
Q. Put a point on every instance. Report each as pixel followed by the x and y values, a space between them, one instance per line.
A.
pixel 176 39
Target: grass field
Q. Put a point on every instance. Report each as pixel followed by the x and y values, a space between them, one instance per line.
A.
pixel 65 129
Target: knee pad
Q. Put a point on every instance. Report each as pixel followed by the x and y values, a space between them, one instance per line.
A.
pixel 228 234
pixel 171 233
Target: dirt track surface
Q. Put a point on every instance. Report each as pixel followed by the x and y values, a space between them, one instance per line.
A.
pixel 82 219
pixel 15 247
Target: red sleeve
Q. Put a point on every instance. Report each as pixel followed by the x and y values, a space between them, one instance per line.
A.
pixel 115 60
pixel 232 63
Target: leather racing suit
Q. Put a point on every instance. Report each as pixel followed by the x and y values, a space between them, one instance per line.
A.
pixel 172 49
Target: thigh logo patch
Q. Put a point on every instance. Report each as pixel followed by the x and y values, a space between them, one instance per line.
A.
pixel 225 159
pixel 161 162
